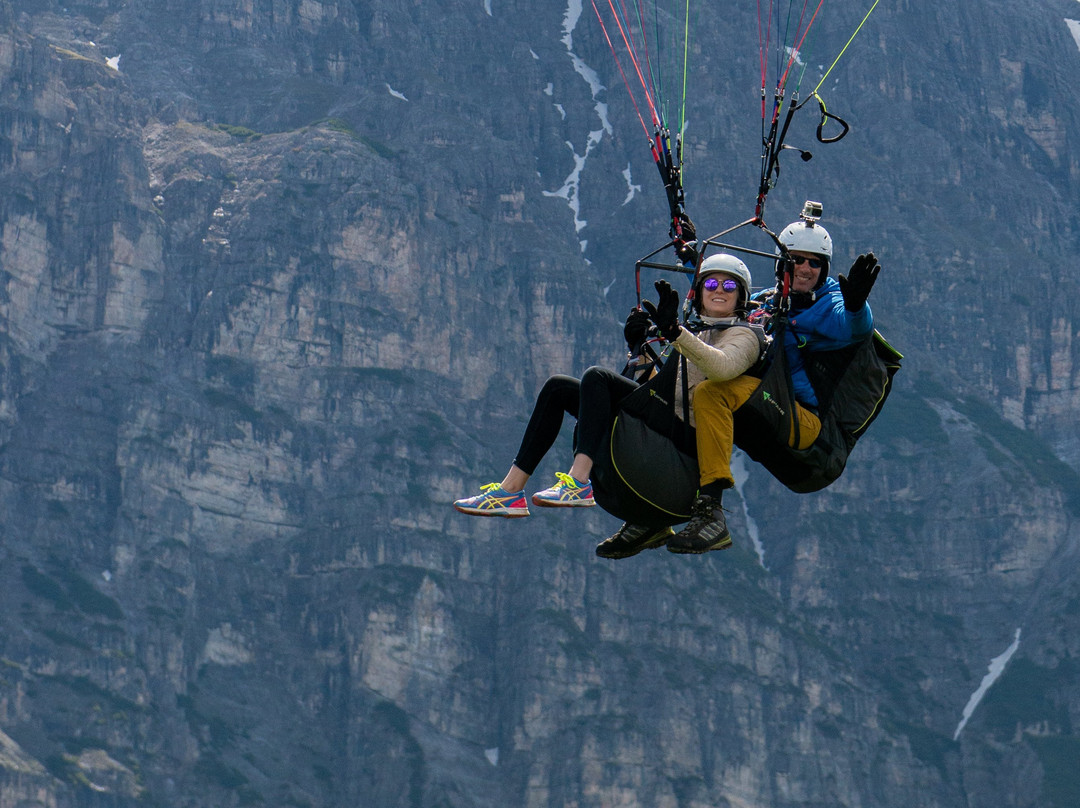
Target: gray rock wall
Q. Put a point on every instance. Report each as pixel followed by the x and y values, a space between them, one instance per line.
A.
pixel 283 285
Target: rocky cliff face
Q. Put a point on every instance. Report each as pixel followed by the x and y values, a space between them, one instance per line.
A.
pixel 280 283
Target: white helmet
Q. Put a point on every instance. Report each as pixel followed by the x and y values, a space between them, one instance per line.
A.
pixel 804 236
pixel 729 265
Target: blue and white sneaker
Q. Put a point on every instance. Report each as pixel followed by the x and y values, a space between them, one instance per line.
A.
pixel 494 501
pixel 566 493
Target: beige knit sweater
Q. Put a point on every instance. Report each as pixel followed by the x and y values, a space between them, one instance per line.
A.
pixel 719 355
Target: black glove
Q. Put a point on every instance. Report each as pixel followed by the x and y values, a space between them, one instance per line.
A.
pixel 686 241
pixel 665 315
pixel 859 281
pixel 636 328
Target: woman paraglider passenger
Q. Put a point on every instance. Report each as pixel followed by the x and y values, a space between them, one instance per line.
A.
pixel 821 315
pixel 718 352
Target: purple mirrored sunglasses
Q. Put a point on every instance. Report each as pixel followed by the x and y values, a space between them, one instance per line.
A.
pixel 729 284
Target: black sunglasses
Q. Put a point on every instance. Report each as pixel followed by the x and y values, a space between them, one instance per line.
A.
pixel 728 284
pixel 815 263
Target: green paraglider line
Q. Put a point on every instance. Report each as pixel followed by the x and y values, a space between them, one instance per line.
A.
pixel 685 62
pixel 846 44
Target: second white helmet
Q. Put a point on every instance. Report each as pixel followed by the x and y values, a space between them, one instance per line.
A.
pixel 729 265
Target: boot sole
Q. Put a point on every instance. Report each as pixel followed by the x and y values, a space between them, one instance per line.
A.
pixel 723 544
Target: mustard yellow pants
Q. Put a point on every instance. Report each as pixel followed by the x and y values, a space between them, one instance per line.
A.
pixel 715 403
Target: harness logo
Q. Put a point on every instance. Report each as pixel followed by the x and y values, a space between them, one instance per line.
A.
pixel 773 403
pixel 655 394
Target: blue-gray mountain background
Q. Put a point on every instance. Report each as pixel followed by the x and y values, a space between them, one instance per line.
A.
pixel 281 282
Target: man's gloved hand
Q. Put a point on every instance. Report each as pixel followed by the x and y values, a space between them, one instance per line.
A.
pixel 636 328
pixel 686 241
pixel 856 286
pixel 665 314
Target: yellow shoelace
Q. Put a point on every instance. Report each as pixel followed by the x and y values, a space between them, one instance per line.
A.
pixel 566 479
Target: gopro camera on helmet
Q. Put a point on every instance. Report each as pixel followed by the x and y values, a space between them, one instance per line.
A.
pixel 811 211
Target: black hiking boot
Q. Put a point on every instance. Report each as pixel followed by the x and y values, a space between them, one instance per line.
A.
pixel 631 539
pixel 706 531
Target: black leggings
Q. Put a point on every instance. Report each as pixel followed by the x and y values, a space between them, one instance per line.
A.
pixel 594 401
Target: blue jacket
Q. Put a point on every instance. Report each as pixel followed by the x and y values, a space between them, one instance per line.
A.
pixel 823 326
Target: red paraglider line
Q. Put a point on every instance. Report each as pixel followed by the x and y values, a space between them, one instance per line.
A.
pixel 618 63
